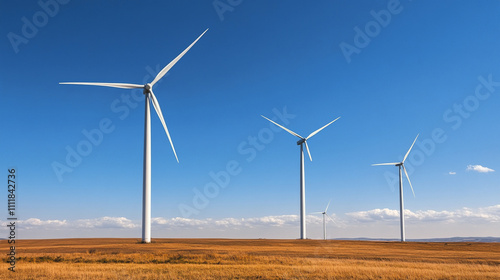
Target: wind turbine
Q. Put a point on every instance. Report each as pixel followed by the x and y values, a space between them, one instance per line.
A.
pixel 325 214
pixel 150 97
pixel 302 142
pixel 401 203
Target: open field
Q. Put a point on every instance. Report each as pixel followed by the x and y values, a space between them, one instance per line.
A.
pixel 250 259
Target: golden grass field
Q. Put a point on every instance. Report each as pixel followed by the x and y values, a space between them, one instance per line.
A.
pixel 250 259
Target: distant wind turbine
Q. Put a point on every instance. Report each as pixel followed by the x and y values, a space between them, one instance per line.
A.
pixel 401 203
pixel 325 214
pixel 301 142
pixel 150 97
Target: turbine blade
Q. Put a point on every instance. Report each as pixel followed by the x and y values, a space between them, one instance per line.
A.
pixel 173 62
pixel 331 218
pixel 114 85
pixel 156 105
pixel 307 148
pixel 408 177
pixel 316 213
pixel 328 205
pixel 286 129
pixel 390 163
pixel 407 153
pixel 315 132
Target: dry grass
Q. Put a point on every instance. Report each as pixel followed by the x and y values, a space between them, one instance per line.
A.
pixel 250 259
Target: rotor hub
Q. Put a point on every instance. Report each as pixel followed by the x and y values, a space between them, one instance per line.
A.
pixel 147 88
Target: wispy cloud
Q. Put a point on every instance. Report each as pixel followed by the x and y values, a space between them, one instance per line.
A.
pixel 452 173
pixel 479 168
pixel 479 215
pixel 103 222
pixel 177 222
pixel 106 222
pixel 374 215
pixel 34 223
pixel 267 221
pixel 489 214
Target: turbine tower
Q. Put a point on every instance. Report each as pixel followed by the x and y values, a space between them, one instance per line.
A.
pixel 302 142
pixel 401 203
pixel 325 214
pixel 150 97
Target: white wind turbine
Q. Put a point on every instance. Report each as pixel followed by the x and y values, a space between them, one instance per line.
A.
pixel 301 142
pixel 401 203
pixel 325 214
pixel 150 97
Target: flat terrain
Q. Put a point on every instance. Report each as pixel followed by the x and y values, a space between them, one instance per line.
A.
pixel 250 259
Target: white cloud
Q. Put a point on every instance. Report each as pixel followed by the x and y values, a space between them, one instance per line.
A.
pixel 228 222
pixel 34 222
pixel 452 173
pixel 274 221
pixel 105 222
pixel 479 168
pixel 171 223
pixel 179 222
pixel 257 225
pixel 479 215
pixel 375 215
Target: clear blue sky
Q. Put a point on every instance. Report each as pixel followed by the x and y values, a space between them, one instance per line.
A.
pixel 423 69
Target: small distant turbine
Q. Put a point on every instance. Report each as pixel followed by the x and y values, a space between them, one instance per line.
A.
pixel 401 203
pixel 150 98
pixel 302 142
pixel 325 214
